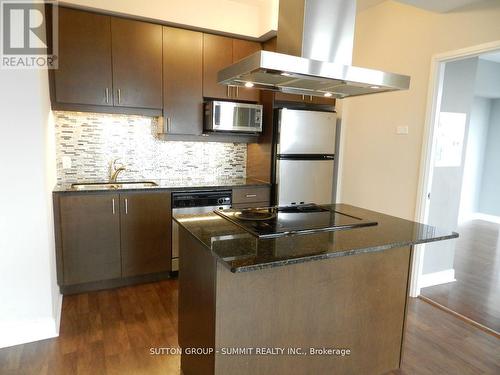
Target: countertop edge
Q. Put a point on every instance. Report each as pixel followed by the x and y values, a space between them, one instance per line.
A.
pixel 320 256
pixel 57 190
pixel 366 250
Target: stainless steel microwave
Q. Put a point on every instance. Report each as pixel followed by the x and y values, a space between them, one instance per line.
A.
pixel 233 117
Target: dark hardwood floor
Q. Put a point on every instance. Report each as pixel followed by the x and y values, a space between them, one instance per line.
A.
pixel 476 293
pixel 111 332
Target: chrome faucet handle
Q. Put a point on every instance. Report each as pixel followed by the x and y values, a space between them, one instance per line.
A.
pixel 113 162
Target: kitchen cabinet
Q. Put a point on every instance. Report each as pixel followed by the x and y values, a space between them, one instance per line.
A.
pixel 137 63
pixel 146 236
pixel 253 196
pixel 84 75
pixel 111 239
pixel 90 234
pixel 107 64
pixel 308 99
pixel 218 53
pixel 182 81
pixel 242 49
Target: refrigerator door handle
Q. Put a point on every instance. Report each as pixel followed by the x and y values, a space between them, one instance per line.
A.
pixel 305 157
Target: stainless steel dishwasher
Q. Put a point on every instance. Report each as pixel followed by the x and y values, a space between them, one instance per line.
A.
pixel 194 202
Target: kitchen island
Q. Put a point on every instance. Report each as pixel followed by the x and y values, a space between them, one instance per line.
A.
pixel 331 302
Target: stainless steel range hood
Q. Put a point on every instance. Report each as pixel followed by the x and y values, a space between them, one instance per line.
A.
pixel 315 44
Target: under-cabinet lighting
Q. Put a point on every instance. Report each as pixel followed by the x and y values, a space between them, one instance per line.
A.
pixel 328 94
pixel 248 84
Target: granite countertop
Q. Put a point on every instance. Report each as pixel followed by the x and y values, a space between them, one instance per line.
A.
pixel 176 184
pixel 241 252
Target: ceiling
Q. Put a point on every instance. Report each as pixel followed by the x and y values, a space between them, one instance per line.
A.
pixel 440 6
pixel 495 57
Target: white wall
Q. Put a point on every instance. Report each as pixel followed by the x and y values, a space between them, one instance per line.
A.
pixel 474 159
pixel 457 97
pixel 488 79
pixel 250 18
pixel 380 170
pixel 30 301
pixel 490 186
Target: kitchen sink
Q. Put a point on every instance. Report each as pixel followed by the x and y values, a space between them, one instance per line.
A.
pixel 113 185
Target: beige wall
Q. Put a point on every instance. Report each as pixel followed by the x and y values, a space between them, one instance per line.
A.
pixel 380 169
pixel 250 18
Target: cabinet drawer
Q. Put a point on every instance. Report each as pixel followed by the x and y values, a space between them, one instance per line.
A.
pixel 251 194
pixel 251 205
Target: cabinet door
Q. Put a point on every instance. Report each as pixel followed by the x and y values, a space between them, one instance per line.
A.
pixel 288 97
pixel 182 80
pixel 324 100
pixel 84 75
pixel 217 54
pixel 146 233
pixel 304 98
pixel 90 234
pixel 242 49
pixel 137 63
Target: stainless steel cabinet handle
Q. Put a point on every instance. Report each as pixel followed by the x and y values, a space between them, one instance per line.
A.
pixel 107 95
pixel 251 195
pixel 119 96
pixel 113 201
pixel 228 94
pixel 126 206
pixel 303 97
pixel 237 91
pixel 311 98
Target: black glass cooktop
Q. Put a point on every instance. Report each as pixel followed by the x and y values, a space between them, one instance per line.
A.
pixel 268 222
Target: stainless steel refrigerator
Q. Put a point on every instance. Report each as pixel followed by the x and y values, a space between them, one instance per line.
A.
pixel 305 154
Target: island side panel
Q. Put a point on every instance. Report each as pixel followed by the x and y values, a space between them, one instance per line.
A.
pixel 355 302
pixel 197 271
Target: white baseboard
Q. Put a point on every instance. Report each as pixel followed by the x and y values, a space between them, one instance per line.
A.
pixel 17 332
pixel 485 217
pixel 58 313
pixel 437 278
pixel 23 331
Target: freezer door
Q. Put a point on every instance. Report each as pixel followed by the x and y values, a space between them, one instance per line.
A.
pixel 304 181
pixel 306 132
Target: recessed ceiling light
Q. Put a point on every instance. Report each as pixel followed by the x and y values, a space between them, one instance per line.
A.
pixel 248 84
pixel 327 94
pixel 375 87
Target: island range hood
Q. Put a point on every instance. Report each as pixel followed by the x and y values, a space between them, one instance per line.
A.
pixel 315 43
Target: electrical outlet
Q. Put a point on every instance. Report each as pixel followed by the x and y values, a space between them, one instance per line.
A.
pixel 66 162
pixel 402 130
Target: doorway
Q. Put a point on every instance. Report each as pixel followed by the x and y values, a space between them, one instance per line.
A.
pixel 460 187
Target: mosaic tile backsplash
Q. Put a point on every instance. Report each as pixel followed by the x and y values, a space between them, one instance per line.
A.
pixel 92 140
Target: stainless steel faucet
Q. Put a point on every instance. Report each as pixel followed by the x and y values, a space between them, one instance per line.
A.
pixel 115 170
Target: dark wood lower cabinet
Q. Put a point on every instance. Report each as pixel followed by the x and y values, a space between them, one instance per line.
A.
pixel 90 238
pixel 105 240
pixel 146 236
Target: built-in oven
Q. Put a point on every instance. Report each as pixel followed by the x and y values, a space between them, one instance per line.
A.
pixel 195 202
pixel 223 116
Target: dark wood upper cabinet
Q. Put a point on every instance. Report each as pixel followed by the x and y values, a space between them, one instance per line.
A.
pixel 308 99
pixel 84 75
pixel 242 49
pixel 137 63
pixel 217 54
pixel 146 233
pixel 183 81
pixel 90 236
